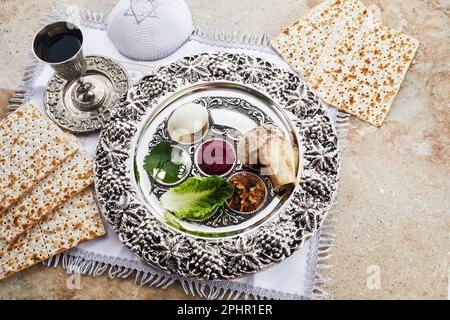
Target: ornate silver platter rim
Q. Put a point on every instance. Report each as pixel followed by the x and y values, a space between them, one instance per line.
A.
pixel 91 121
pixel 242 255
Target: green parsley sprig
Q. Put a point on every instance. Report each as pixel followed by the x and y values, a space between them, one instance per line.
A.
pixel 159 160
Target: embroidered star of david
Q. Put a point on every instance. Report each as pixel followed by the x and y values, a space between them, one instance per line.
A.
pixel 143 9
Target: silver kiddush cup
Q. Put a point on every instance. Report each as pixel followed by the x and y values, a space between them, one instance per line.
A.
pixel 59 45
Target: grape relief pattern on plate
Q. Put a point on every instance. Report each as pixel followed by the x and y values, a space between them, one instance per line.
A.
pixel 226 258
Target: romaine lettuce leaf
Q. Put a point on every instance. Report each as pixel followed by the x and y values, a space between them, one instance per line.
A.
pixel 197 198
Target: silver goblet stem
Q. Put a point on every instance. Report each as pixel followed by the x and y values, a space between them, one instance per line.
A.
pixel 84 92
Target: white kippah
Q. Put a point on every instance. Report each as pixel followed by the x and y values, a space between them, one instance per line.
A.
pixel 149 29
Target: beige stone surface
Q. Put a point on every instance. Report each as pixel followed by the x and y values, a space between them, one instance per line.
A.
pixel 394 196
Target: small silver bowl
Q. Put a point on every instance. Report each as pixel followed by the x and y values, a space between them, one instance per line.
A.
pixel 263 202
pixel 185 159
pixel 199 149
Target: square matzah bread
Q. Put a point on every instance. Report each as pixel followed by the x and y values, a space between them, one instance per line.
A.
pixel 301 44
pixel 36 145
pixel 361 69
pixel 13 183
pixel 31 146
pixel 69 179
pixel 77 221
pixel 27 251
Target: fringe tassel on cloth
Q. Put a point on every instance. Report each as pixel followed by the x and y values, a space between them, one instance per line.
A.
pixel 25 88
pixel 89 264
pixel 75 261
pixel 241 38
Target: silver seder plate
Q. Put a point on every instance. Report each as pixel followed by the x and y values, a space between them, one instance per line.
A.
pixel 240 93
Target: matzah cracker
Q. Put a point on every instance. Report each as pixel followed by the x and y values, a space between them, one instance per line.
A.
pixel 40 146
pixel 362 67
pixel 302 43
pixel 62 184
pixel 31 146
pixel 13 183
pixel 77 221
pixel 27 251
pixel 30 117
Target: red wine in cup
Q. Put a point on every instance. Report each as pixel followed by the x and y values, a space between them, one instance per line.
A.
pixel 60 47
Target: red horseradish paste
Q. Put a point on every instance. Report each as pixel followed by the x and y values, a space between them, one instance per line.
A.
pixel 215 157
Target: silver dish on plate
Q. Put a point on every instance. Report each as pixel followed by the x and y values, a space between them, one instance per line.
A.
pixel 240 93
